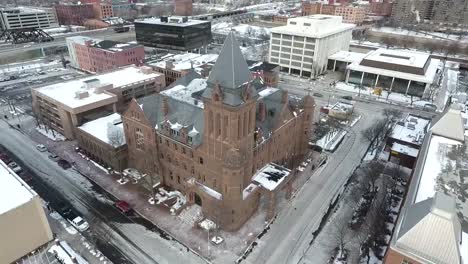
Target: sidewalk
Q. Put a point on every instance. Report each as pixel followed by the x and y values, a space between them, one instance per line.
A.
pixel 168 226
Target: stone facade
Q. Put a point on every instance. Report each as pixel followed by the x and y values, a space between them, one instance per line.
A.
pixel 211 145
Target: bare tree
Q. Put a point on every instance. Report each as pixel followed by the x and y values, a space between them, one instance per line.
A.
pixel 392 114
pixel 115 135
pixel 388 40
pixel 373 172
pixel 373 132
pixel 339 236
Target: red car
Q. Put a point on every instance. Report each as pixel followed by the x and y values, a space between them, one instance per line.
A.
pixel 123 206
pixel 4 157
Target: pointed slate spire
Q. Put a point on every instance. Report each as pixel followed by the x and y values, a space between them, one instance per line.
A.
pixel 231 69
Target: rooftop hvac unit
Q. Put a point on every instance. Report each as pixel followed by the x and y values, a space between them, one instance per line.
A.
pixel 411 126
pixel 81 94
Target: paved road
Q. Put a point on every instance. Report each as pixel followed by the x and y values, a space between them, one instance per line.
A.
pixel 288 239
pixel 132 236
pixel 59 42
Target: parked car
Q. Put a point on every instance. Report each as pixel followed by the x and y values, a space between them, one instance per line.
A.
pixel 64 164
pixel 5 158
pixel 15 167
pixel 63 209
pixel 317 94
pixel 347 97
pixel 41 148
pixel 54 157
pixel 26 177
pixel 123 206
pixel 79 223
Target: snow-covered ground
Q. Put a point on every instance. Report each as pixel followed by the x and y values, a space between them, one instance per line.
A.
pixel 29 66
pixel 242 30
pixel 438 35
pixel 50 133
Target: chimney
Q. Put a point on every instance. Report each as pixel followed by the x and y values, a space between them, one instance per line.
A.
pixel 165 106
pixel 262 111
pixel 284 96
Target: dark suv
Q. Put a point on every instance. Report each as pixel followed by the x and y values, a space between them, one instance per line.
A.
pixel 64 164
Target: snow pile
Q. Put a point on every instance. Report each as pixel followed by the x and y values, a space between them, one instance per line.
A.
pixel 210 191
pixel 50 133
pixel 66 254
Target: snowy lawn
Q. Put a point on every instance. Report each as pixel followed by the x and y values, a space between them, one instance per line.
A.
pixel 50 133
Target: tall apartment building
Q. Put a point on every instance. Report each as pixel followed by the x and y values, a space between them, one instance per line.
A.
pixel 27 17
pixel 174 33
pixel 302 46
pixel 65 106
pixel 213 140
pixel 183 7
pixel 74 14
pixel 96 56
pixel 349 13
pixel 23 222
pixel 434 11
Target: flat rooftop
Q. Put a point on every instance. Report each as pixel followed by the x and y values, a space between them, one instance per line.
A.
pixel 347 56
pixel 22 9
pixel 271 176
pixel 398 57
pixel 184 93
pixel 102 127
pixel 314 26
pixel 185 61
pixel 411 129
pixel 14 192
pixel 428 76
pixel 109 45
pixel 172 21
pixel 65 93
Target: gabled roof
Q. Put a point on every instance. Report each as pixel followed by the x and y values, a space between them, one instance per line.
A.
pixel 450 125
pixel 231 70
pixel 430 231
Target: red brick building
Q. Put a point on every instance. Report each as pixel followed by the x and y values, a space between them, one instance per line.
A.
pixel 97 56
pixel 183 7
pixel 380 8
pixel 74 14
pixel 349 13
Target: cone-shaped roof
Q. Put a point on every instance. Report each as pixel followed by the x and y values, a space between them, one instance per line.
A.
pixel 231 70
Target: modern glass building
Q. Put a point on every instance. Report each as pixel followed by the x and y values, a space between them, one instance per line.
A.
pixel 173 33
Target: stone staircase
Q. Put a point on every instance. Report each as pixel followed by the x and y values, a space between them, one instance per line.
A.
pixel 191 214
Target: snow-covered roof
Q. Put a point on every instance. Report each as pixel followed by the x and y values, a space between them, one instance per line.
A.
pixel 450 125
pixel 404 149
pixel 185 61
pixel 428 77
pixel 66 92
pixel 347 56
pixel 399 57
pixel 314 26
pixel 271 176
pixel 184 93
pixel 266 92
pixel 102 127
pixel 13 191
pixel 173 21
pixel 210 191
pixel 411 129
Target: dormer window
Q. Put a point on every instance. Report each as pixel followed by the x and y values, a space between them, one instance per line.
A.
pixel 189 139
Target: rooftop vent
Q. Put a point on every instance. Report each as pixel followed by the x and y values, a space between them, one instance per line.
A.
pixel 81 94
pixel 91 83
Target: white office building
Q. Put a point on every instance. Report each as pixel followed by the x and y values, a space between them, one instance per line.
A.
pixel 302 46
pixel 26 17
